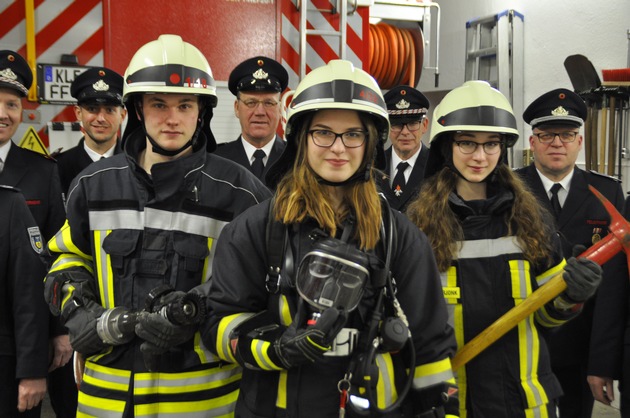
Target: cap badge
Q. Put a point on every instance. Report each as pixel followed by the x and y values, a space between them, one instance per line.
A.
pixel 7 73
pixel 260 74
pixel 100 85
pixel 560 111
pixel 402 104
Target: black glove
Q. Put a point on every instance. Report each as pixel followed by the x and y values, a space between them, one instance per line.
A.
pixel 582 276
pixel 82 332
pixel 297 346
pixel 161 333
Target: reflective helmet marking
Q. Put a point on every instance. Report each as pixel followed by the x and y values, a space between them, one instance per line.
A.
pixel 339 91
pixel 175 75
pixel 480 116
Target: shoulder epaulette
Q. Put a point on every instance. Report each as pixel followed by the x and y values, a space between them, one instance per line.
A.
pixel 597 173
pixel 9 188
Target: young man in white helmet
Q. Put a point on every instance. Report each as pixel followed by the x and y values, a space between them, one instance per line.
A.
pixel 300 287
pixel 494 245
pixel 140 234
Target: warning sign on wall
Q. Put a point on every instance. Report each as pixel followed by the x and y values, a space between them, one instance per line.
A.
pixel 32 141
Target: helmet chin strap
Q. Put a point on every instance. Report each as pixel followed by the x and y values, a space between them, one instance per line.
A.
pixel 358 177
pixel 159 150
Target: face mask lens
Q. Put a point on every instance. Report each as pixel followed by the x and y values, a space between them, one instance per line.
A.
pixel 326 281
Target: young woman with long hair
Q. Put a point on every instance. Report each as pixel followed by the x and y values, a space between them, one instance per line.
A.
pixel 325 328
pixel 494 246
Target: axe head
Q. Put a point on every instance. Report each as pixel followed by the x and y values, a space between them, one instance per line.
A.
pixel 618 239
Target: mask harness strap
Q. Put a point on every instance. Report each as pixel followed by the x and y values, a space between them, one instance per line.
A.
pixel 363 371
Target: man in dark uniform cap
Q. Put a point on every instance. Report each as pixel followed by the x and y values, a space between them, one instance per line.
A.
pixel 100 110
pixel 407 157
pixel 556 118
pixel 257 84
pixel 33 174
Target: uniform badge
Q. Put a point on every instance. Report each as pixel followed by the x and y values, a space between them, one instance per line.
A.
pixel 7 73
pixel 36 239
pixel 597 235
pixel 100 85
pixel 560 111
pixel 402 104
pixel 260 74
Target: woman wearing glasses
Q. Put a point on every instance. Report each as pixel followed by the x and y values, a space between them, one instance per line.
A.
pixel 494 245
pixel 301 292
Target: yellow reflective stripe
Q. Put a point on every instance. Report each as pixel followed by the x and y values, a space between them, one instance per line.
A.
pixel 207 265
pixel 220 407
pixel 186 382
pixel 69 292
pixel 66 260
pixel 205 355
pixel 224 334
pixel 546 319
pixel 429 374
pixel 281 398
pixel 549 274
pixel 104 273
pixel 528 339
pixel 62 242
pixel 285 311
pixel 259 350
pixel 106 377
pixel 386 393
pixel 92 406
pixel 541 411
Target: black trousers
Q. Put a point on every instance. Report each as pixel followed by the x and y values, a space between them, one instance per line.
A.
pixel 9 392
pixel 577 401
pixel 62 391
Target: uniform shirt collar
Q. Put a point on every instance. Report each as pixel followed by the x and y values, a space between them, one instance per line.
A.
pixel 396 160
pixel 250 149
pixel 4 150
pixel 95 156
pixel 565 183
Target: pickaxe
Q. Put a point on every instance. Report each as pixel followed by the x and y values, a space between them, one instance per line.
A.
pixel 618 240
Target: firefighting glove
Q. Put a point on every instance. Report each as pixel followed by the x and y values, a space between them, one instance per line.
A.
pixel 298 346
pixel 582 276
pixel 160 334
pixel 82 331
pixel 438 400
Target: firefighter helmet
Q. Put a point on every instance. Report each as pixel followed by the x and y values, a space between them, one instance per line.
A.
pixel 474 106
pixel 170 65
pixel 337 85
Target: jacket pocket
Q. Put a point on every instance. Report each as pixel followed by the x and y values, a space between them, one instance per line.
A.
pixel 192 253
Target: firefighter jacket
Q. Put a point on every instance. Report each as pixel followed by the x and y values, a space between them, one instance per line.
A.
pixel 132 232
pixel 238 291
pixel 489 276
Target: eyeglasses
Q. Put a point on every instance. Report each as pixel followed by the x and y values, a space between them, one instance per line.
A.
pixel 469 147
pixel 411 126
pixel 253 103
pixel 326 139
pixel 549 137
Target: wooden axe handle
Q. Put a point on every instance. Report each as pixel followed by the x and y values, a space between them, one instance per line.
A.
pixel 600 253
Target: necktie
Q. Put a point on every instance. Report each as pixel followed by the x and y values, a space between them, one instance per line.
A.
pixel 257 165
pixel 399 179
pixel 555 203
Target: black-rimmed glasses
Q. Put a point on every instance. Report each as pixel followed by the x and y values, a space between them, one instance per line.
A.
pixel 253 103
pixel 549 137
pixel 326 139
pixel 411 126
pixel 469 147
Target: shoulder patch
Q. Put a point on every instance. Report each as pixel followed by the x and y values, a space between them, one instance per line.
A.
pixel 597 173
pixel 9 188
pixel 36 239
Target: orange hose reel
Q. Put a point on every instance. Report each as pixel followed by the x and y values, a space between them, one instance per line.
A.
pixel 396 55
